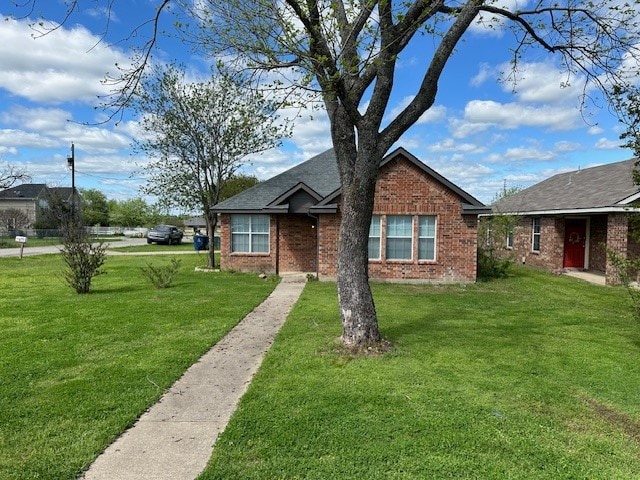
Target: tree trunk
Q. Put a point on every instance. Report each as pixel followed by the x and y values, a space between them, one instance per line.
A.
pixel 211 220
pixel 357 308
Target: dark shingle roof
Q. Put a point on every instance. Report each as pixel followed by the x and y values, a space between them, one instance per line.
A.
pixel 26 190
pixel 319 173
pixel 596 188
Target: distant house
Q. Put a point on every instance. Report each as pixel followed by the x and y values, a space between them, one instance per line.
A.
pixel 569 220
pixel 32 199
pixel 424 228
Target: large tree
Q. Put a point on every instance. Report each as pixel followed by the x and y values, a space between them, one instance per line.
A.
pixel 349 51
pixel 199 134
pixel 95 208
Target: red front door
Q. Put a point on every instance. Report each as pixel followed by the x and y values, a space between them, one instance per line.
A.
pixel 575 240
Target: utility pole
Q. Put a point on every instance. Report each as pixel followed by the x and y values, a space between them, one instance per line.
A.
pixel 71 162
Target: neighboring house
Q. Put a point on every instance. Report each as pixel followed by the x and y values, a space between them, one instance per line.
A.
pixel 32 199
pixel 570 220
pixel 424 228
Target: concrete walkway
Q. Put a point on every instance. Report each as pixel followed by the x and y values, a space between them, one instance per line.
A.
pixel 174 439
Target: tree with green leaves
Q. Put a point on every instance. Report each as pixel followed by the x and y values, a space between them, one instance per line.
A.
pixel 198 136
pixel 95 207
pixel 236 184
pixel 134 212
pixel 349 51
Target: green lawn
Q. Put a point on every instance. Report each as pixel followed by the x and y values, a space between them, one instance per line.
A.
pixel 75 371
pixel 531 377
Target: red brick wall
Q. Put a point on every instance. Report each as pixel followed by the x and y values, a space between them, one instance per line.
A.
pixel 617 240
pixel 298 243
pixel 404 189
pixel 597 242
pixel 550 255
pixel 296 247
pixel 246 262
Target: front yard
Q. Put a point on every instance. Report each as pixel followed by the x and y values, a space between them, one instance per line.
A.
pixel 76 370
pixel 531 377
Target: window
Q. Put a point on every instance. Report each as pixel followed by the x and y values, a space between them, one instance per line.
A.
pixel 399 237
pixel 535 235
pixel 427 238
pixel 374 238
pixel 250 233
pixel 509 239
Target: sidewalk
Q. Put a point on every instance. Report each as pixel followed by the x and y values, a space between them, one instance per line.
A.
pixel 174 439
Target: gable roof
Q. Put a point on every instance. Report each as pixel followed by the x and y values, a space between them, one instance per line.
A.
pixel 318 177
pixel 606 188
pixel 29 191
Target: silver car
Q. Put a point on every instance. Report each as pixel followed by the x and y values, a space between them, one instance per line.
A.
pixel 168 234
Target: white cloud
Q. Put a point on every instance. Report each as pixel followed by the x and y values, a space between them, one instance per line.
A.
pixel 480 115
pixel 63 65
pixel 607 144
pixel 542 82
pixel 485 73
pixel 565 146
pixel 450 145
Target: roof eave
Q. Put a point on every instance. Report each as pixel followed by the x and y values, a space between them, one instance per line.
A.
pixel 567 211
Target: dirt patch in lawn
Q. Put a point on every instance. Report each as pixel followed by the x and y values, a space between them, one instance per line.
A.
pixel 628 425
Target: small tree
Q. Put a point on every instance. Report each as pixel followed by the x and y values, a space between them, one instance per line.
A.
pixel 493 232
pixel 13 219
pixel 82 258
pixel 199 135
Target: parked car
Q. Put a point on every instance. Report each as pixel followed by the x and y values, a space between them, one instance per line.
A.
pixel 165 234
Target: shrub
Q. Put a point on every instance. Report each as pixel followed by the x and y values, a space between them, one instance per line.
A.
pixel 162 276
pixel 490 265
pixel 83 259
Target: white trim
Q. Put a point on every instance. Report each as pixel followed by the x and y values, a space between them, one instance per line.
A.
pixel 629 199
pixel 573 211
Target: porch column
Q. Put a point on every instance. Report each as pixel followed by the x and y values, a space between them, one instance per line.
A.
pixel 617 241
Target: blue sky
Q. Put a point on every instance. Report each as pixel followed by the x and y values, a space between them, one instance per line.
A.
pixel 480 134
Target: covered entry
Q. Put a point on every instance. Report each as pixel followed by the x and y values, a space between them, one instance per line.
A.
pixel 575 242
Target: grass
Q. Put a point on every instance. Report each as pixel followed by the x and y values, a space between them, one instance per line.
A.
pixel 6 242
pixel 76 370
pixel 154 247
pixel 531 377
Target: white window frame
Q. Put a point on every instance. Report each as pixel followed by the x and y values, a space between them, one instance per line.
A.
pixel 389 237
pixel 509 239
pixel 251 233
pixel 432 237
pixel 536 229
pixel 375 219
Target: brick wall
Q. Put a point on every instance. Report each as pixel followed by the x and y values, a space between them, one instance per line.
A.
pixel 550 255
pixel 617 240
pixel 298 243
pixel 597 242
pixel 246 262
pixel 404 189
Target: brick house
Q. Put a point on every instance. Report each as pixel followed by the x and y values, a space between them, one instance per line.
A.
pixel 424 228
pixel 569 221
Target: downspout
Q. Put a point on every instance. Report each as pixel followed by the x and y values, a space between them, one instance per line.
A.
pixel 317 219
pixel 277 244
